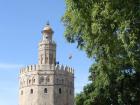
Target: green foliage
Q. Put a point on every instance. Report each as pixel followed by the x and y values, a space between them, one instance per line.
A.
pixel 109 32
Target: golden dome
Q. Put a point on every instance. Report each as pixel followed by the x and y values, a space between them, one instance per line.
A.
pixel 47 29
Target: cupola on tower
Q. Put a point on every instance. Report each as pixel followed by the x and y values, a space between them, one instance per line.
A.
pixel 46 83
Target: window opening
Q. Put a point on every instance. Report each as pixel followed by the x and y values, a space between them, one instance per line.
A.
pixel 60 91
pixel 45 90
pixel 31 91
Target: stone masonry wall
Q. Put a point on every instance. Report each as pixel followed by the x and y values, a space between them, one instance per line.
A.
pixel 57 80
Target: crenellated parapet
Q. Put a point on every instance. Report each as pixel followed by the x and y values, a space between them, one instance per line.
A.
pixel 31 68
pixel 62 69
pixel 58 68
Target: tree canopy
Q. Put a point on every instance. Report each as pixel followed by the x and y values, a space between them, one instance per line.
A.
pixel 109 32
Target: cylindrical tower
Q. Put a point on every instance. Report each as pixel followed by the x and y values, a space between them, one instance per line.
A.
pixel 46 83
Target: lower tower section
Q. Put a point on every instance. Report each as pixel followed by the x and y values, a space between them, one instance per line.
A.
pixel 46 85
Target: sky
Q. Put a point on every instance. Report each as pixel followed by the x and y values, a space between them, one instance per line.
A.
pixel 21 22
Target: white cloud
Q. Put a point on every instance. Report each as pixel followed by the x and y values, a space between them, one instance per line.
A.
pixel 10 66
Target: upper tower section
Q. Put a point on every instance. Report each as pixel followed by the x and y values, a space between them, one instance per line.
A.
pixel 47 32
pixel 47 47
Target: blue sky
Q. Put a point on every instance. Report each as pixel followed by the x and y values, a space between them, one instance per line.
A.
pixel 21 22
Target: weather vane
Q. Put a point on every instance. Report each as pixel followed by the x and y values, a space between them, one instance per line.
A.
pixel 47 23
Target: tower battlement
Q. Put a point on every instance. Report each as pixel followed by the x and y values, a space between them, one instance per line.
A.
pixel 58 68
pixel 62 68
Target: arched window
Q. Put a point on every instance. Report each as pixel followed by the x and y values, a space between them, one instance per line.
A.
pixel 60 91
pixel 45 90
pixel 31 91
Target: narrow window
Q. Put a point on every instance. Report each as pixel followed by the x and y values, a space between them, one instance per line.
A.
pixel 31 91
pixel 60 91
pixel 45 90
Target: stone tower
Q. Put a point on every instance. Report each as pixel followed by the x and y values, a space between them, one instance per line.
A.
pixel 46 83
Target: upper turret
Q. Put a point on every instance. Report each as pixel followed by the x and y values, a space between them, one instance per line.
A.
pixel 47 32
pixel 47 47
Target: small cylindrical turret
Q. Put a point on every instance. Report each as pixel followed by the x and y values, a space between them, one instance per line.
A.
pixel 47 48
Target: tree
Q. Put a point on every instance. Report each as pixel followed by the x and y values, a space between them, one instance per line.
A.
pixel 109 32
